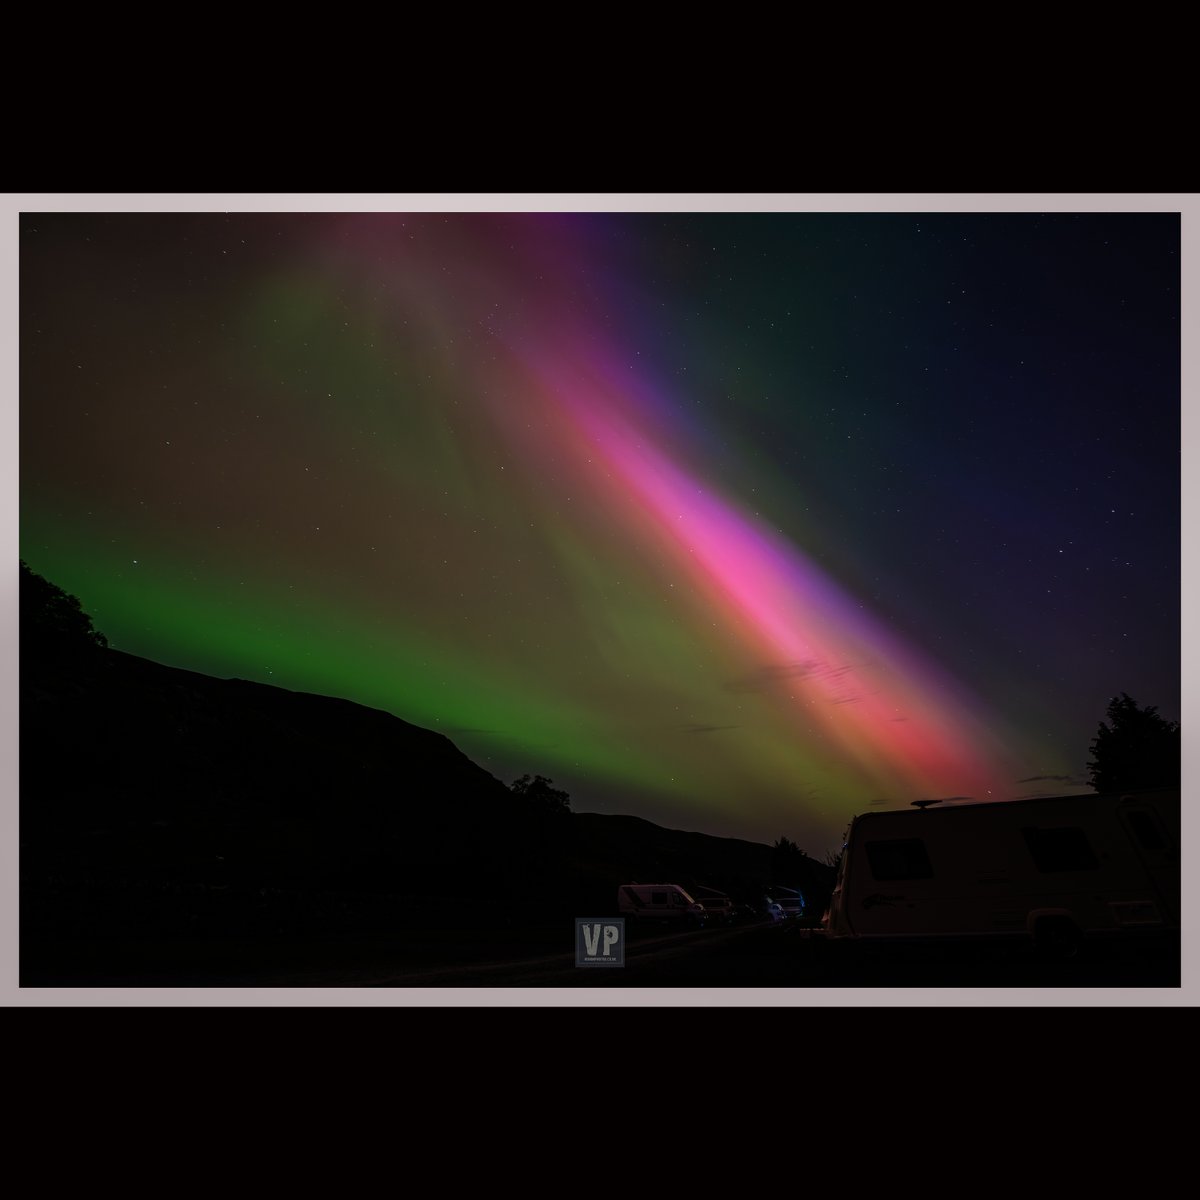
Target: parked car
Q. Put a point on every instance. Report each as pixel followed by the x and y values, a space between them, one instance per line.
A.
pixel 717 908
pixel 784 906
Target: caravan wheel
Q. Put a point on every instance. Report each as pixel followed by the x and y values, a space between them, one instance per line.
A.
pixel 1058 938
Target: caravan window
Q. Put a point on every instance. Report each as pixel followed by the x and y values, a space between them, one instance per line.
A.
pixel 900 858
pixel 1064 849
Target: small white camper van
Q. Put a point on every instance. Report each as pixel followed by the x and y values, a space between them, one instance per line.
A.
pixel 659 901
pixel 1058 870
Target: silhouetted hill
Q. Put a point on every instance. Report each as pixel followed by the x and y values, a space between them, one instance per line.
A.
pixel 158 802
pixel 136 770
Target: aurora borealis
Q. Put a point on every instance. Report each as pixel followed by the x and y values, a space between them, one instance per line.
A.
pixel 741 522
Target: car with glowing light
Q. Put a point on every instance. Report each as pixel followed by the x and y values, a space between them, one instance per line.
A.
pixel 784 905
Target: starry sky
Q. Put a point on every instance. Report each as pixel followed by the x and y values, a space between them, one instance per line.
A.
pixel 743 522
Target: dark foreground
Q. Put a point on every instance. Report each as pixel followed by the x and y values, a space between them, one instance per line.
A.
pixel 750 956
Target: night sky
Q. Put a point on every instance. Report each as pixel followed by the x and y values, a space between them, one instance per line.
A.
pixel 741 522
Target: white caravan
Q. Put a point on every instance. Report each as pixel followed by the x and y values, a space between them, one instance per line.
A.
pixel 1056 870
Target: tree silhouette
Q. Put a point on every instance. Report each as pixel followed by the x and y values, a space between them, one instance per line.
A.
pixel 787 862
pixel 53 624
pixel 541 796
pixel 1136 749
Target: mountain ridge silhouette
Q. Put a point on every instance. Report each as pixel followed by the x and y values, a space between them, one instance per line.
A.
pixel 160 803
